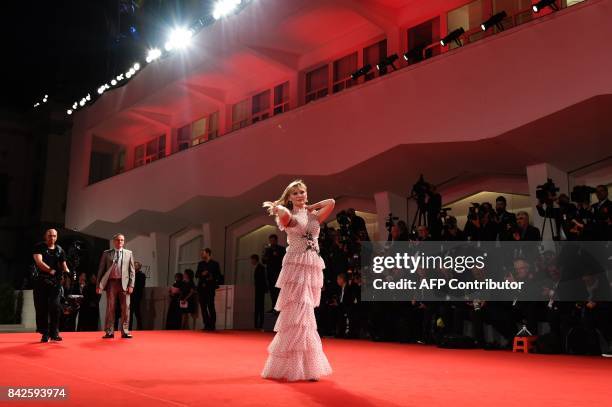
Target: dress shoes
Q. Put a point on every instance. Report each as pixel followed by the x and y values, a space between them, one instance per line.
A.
pixel 108 335
pixel 126 336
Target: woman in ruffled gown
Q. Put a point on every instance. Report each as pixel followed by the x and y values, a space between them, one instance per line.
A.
pixel 296 352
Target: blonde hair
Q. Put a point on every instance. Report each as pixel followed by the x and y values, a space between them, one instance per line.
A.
pixel 284 199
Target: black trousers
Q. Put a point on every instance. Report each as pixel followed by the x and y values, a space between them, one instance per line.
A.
pixel 207 306
pixel 135 311
pixel 47 306
pixel 260 296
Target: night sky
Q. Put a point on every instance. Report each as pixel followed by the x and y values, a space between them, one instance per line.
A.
pixel 65 48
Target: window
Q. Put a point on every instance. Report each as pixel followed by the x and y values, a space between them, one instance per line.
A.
pixel 182 138
pixel 372 55
pixel 424 41
pixel 469 17
pixel 317 84
pixel 198 132
pixel 281 98
pixel 240 115
pixel 213 126
pixel 260 106
pixel 518 11
pixel 189 255
pixel 343 68
pixel 151 151
pixel 120 162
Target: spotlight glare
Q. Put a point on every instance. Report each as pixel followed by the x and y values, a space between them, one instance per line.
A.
pixel 153 54
pixel 74 106
pixel 69 111
pixel 136 66
pixel 82 102
pixel 179 38
pixel 88 97
pixel 113 82
pixel 224 7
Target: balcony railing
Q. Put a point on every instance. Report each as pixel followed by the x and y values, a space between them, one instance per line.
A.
pixel 426 52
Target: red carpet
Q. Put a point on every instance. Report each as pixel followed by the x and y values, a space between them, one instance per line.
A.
pixel 163 368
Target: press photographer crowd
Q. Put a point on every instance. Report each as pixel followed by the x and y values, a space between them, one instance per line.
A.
pixel 583 327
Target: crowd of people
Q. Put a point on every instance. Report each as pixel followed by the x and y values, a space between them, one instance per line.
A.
pixel 563 326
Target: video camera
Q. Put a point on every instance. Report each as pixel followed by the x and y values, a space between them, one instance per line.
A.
pixel 582 193
pixel 546 192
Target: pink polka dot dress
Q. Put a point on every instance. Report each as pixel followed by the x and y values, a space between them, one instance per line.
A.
pixel 296 352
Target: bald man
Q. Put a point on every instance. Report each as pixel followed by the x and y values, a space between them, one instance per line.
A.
pixel 50 261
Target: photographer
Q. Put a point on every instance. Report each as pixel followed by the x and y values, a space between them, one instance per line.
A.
pixel 581 227
pixel 506 221
pixel 562 213
pixel 481 225
pixel 601 210
pixel 429 203
pixel 357 224
pixel 50 260
pixel 451 232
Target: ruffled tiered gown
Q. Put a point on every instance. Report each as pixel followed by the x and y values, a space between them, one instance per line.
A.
pixel 296 352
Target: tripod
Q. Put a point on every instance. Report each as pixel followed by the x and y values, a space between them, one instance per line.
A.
pixel 554 231
pixel 420 215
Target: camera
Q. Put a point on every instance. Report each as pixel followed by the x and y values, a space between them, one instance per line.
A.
pixel 582 193
pixel 547 191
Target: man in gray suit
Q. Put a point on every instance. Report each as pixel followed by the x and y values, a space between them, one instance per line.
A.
pixel 117 276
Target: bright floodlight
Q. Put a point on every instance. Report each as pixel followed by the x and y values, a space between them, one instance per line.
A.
pixel 136 66
pixel 179 38
pixel 153 54
pixel 69 111
pixel 224 7
pixel 113 82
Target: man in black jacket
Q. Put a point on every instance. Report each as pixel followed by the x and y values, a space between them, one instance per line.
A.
pixel 139 286
pixel 208 275
pixel 259 277
pixel 50 260
pixel 273 260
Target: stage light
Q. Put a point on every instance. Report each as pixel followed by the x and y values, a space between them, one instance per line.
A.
pixel 543 4
pixel 136 66
pixel 224 7
pixel 455 36
pixel 82 102
pixel 69 111
pixel 88 97
pixel 494 20
pixel 179 39
pixel 36 104
pixel 128 75
pixel 387 61
pixel 75 105
pixel 415 54
pixel 113 82
pixel 361 71
pixel 101 89
pixel 153 54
